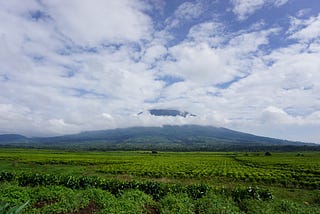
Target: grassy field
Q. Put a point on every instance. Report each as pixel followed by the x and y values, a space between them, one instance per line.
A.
pixel 56 181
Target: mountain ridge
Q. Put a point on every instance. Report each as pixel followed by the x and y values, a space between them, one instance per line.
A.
pixel 174 134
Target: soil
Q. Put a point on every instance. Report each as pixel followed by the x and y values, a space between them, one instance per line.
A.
pixel 90 208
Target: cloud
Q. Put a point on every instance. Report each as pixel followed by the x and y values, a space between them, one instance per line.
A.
pixel 67 86
pixel 67 67
pixel 244 8
pixel 154 53
pixel 197 63
pixel 279 97
pixel 305 30
pixel 91 23
pixel 276 115
pixel 211 59
pixel 186 11
pixel 208 32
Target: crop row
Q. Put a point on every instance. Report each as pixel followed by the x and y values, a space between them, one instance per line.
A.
pixel 231 171
pixel 155 189
pixel 285 169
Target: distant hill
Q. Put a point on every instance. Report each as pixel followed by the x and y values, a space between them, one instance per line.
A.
pixel 10 138
pixel 168 137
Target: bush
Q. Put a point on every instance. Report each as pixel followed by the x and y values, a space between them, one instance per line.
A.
pixel 176 203
pixel 215 203
pixel 101 198
pixel 267 154
pixel 286 207
pixel 12 195
pixel 317 197
pixel 130 202
pixel 7 176
pixel 56 199
pixel 281 207
pixel 241 193
pixel 139 199
pixel 196 191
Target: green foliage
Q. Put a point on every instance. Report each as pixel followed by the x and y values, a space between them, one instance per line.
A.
pixel 5 209
pixel 7 176
pixel 290 207
pixel 286 207
pixel 285 169
pixel 277 206
pixel 56 199
pixel 130 201
pixel 197 190
pixel 101 198
pixel 138 200
pixel 244 195
pixel 13 195
pixel 317 197
pixel 155 189
pixel 176 203
pixel 216 203
pixel 241 193
pixel 59 199
pixel 267 154
pixel 127 182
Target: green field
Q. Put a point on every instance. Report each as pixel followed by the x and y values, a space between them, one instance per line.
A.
pixel 56 181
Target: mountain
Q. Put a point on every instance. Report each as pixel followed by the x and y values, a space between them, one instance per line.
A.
pixel 168 137
pixel 12 138
pixel 185 133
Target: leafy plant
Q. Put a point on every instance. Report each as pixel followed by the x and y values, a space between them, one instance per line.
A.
pixel 197 190
pixel 241 193
pixel 215 203
pixel 6 209
pixel 176 203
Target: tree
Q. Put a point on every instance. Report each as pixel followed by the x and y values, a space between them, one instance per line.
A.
pixel 267 154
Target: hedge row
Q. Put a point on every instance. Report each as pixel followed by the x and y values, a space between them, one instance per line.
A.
pixel 155 189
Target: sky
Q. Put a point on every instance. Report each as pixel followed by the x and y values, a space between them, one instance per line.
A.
pixel 80 65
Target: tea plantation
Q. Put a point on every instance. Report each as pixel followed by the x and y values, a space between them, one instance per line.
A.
pixel 56 181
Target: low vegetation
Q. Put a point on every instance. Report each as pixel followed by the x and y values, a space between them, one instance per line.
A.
pixel 52 181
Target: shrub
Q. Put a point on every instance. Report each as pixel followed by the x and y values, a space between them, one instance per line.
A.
pixel 241 193
pixel 176 203
pixel 267 154
pixel 139 199
pixel 101 198
pixel 13 195
pixel 215 203
pixel 6 176
pixel 130 202
pixel 286 207
pixel 56 199
pixel 196 191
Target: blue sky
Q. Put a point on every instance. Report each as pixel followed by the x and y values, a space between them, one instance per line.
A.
pixel 248 65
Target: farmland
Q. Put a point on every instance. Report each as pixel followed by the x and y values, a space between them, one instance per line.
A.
pixel 59 181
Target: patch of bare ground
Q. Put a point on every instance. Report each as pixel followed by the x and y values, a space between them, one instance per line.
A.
pixel 151 209
pixel 90 208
